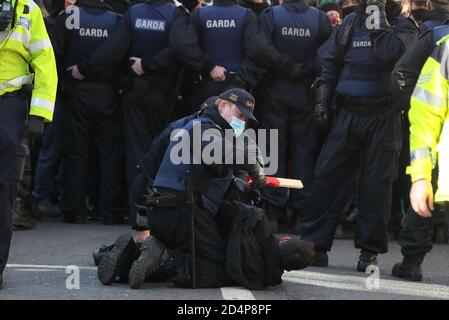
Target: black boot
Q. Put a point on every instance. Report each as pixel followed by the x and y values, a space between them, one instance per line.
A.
pixel 148 263
pixel 74 216
pixel 321 258
pixel 100 253
pixel 295 254
pixel 118 261
pixel 367 258
pixel 408 269
pixel 1 280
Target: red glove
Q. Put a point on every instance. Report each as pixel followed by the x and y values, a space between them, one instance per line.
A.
pixel 272 182
pixel 269 182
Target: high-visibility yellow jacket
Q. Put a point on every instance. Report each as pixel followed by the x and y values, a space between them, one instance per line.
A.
pixel 27 45
pixel 429 122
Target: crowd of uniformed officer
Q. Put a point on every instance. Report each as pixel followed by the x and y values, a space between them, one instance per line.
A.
pixel 335 92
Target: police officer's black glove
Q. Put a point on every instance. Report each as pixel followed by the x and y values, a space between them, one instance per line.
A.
pixel 258 177
pixel 237 81
pixel 35 127
pixel 321 114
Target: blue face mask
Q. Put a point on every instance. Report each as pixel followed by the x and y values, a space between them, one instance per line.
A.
pixel 238 125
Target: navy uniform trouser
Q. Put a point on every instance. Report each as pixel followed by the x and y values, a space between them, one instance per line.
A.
pixel 208 88
pixel 296 147
pixel 172 226
pixel 414 238
pixel 13 115
pixel 371 144
pixel 145 116
pixel 92 115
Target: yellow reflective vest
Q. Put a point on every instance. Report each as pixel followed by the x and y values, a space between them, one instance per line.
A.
pixel 429 122
pixel 26 53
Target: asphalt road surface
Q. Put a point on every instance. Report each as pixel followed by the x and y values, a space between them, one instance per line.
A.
pixel 44 264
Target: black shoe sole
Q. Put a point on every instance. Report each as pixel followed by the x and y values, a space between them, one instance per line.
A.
pixel 320 262
pixel 410 277
pixel 146 265
pixel 111 264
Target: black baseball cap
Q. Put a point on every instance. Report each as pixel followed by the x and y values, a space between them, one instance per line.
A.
pixel 243 100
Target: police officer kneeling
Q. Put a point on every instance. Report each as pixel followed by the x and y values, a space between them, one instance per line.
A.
pixel 233 242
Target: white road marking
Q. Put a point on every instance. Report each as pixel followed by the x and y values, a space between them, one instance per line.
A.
pixel 37 267
pixel 357 283
pixel 36 270
pixel 234 293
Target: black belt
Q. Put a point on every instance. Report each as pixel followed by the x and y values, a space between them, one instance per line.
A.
pixel 365 105
pixel 17 93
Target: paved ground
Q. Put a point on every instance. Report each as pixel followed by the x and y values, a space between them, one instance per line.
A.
pixel 39 259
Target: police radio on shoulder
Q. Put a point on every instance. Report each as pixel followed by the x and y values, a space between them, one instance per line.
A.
pixel 6 15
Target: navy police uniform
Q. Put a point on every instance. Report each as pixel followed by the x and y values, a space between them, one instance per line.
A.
pixel 227 35
pixel 366 133
pixel 142 33
pixel 91 110
pixel 284 97
pixel 433 18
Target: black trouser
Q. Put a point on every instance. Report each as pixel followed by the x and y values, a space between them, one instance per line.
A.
pixel 92 116
pixel 414 238
pixel 172 226
pixel 401 187
pixel 370 143
pixel 145 116
pixel 208 88
pixel 13 115
pixel 296 147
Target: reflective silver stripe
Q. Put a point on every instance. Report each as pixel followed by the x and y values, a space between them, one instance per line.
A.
pixel 426 96
pixel 17 82
pixel 421 153
pixel 21 37
pixel 32 5
pixel 39 45
pixel 42 103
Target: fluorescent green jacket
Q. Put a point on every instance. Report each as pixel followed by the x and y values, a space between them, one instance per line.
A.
pixel 429 122
pixel 27 48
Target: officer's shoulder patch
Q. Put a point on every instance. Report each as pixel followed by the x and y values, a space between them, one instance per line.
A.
pixel 24 22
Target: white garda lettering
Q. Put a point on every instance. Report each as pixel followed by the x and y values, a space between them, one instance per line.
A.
pixel 220 24
pixel 148 24
pixel 98 33
pixel 361 44
pixel 295 32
